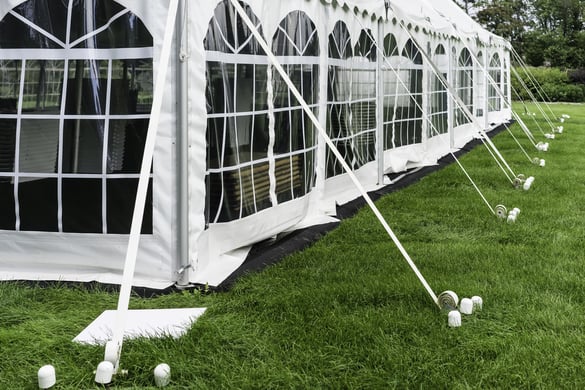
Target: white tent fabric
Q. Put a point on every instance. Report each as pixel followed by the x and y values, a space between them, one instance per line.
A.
pixel 255 166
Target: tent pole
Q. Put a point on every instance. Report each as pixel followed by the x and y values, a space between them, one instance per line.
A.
pixel 182 146
pixel 113 348
pixel 380 110
pixel 450 105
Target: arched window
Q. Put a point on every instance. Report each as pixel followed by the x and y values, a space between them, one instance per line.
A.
pixel 406 108
pixel 297 45
pixel 356 140
pixel 438 113
pixel 339 95
pixel 464 86
pixel 74 109
pixel 494 91
pixel 237 177
pixel 479 87
pixel 390 85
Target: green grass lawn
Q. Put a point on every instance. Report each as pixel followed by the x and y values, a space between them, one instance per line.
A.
pixel 349 313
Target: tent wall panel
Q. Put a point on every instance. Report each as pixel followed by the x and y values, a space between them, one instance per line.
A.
pixel 255 166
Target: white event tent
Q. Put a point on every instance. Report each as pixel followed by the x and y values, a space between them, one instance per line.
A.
pixel 236 159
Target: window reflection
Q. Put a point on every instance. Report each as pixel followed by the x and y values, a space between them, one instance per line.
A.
pixel 43 85
pixel 9 86
pixel 39 145
pixel 131 89
pixel 83 141
pixel 294 141
pixel 86 87
pixel 7 144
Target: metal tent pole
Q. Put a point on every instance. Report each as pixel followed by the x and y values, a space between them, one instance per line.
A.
pixel 182 146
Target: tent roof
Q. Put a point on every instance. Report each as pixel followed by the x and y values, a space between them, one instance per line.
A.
pixel 442 16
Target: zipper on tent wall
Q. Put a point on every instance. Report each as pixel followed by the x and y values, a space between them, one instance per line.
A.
pixel 321 162
pixel 486 90
pixel 425 98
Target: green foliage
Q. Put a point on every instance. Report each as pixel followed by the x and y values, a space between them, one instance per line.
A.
pixel 556 53
pixel 557 50
pixel 505 17
pixel 564 92
pixel 555 84
pixel 533 45
pixel 564 17
pixel 544 32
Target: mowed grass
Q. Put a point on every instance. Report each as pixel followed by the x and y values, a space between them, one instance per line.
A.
pixel 349 313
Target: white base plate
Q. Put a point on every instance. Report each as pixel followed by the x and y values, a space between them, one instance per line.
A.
pixel 148 323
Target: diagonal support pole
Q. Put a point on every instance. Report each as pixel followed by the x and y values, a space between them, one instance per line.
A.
pixel 274 61
pixel 114 347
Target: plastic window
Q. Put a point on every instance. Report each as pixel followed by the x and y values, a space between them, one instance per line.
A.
pixel 464 86
pixel 237 179
pixel 403 98
pixel 359 135
pixel 495 72
pixel 296 43
pixel 390 85
pixel 479 99
pixel 438 112
pixel 72 130
pixel 339 96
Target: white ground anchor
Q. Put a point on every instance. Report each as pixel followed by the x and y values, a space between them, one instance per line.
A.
pixel 542 146
pixel 513 214
pixel 522 181
pixel 162 375
pixel 104 373
pixel 448 301
pixel 46 377
pixel 539 161
pixel 509 216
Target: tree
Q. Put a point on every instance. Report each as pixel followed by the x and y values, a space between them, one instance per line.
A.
pixel 542 31
pixel 562 16
pixel 507 18
pixel 466 5
pixel 562 21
